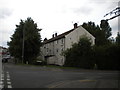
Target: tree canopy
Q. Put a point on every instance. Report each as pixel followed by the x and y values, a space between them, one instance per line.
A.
pixel 105 27
pixel 26 41
pixel 101 33
pixel 118 39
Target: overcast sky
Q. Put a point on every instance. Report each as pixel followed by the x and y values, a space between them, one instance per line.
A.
pixel 53 15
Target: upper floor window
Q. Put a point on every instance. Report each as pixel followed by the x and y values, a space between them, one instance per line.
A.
pixel 50 51
pixel 50 43
pixel 57 42
pixel 61 49
pixel 62 41
pixel 47 49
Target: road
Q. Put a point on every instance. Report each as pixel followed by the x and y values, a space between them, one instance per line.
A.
pixel 21 76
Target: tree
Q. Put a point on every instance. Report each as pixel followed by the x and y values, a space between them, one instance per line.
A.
pixel 80 55
pixel 107 57
pixel 27 37
pixel 105 27
pixel 118 39
pixel 95 31
pixel 101 34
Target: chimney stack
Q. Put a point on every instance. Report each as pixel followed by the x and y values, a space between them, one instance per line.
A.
pixel 45 39
pixel 75 25
pixel 55 34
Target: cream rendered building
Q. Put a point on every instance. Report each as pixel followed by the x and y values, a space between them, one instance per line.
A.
pixel 52 49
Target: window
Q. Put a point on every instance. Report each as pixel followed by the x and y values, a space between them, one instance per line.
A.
pixel 57 42
pixel 47 49
pixel 61 49
pixel 50 51
pixel 62 41
pixel 50 44
pixel 56 50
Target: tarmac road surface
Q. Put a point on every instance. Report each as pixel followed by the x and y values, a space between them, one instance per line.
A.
pixel 21 76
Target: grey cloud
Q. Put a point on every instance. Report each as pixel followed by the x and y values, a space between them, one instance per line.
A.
pixel 103 1
pixel 82 10
pixel 112 5
pixel 4 44
pixel 115 28
pixel 5 12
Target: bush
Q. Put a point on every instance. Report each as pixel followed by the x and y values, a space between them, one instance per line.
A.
pixel 107 57
pixel 80 55
pixel 84 55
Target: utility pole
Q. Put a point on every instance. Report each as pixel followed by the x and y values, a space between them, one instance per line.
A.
pixel 23 44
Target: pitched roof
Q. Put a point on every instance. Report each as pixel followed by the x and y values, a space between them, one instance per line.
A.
pixel 58 37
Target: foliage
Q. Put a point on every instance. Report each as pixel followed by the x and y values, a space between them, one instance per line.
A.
pixel 26 32
pixel 118 39
pixel 83 55
pixel 101 34
pixel 80 54
pixel 107 56
pixel 106 28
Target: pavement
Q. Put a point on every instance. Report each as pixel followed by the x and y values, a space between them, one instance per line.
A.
pixel 19 76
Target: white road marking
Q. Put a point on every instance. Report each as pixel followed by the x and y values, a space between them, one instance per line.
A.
pixel 2 79
pixel 1 82
pixel 8 79
pixel 9 86
pixel 1 86
pixel 8 82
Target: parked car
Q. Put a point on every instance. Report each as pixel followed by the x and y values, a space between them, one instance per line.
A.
pixel 40 63
pixel 6 58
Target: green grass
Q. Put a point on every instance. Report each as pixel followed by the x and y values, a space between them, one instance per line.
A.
pixel 50 66
pixel 61 67
pixel 21 64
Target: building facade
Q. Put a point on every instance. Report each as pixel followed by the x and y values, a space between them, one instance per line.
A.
pixel 0 51
pixel 51 50
pixel 3 51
